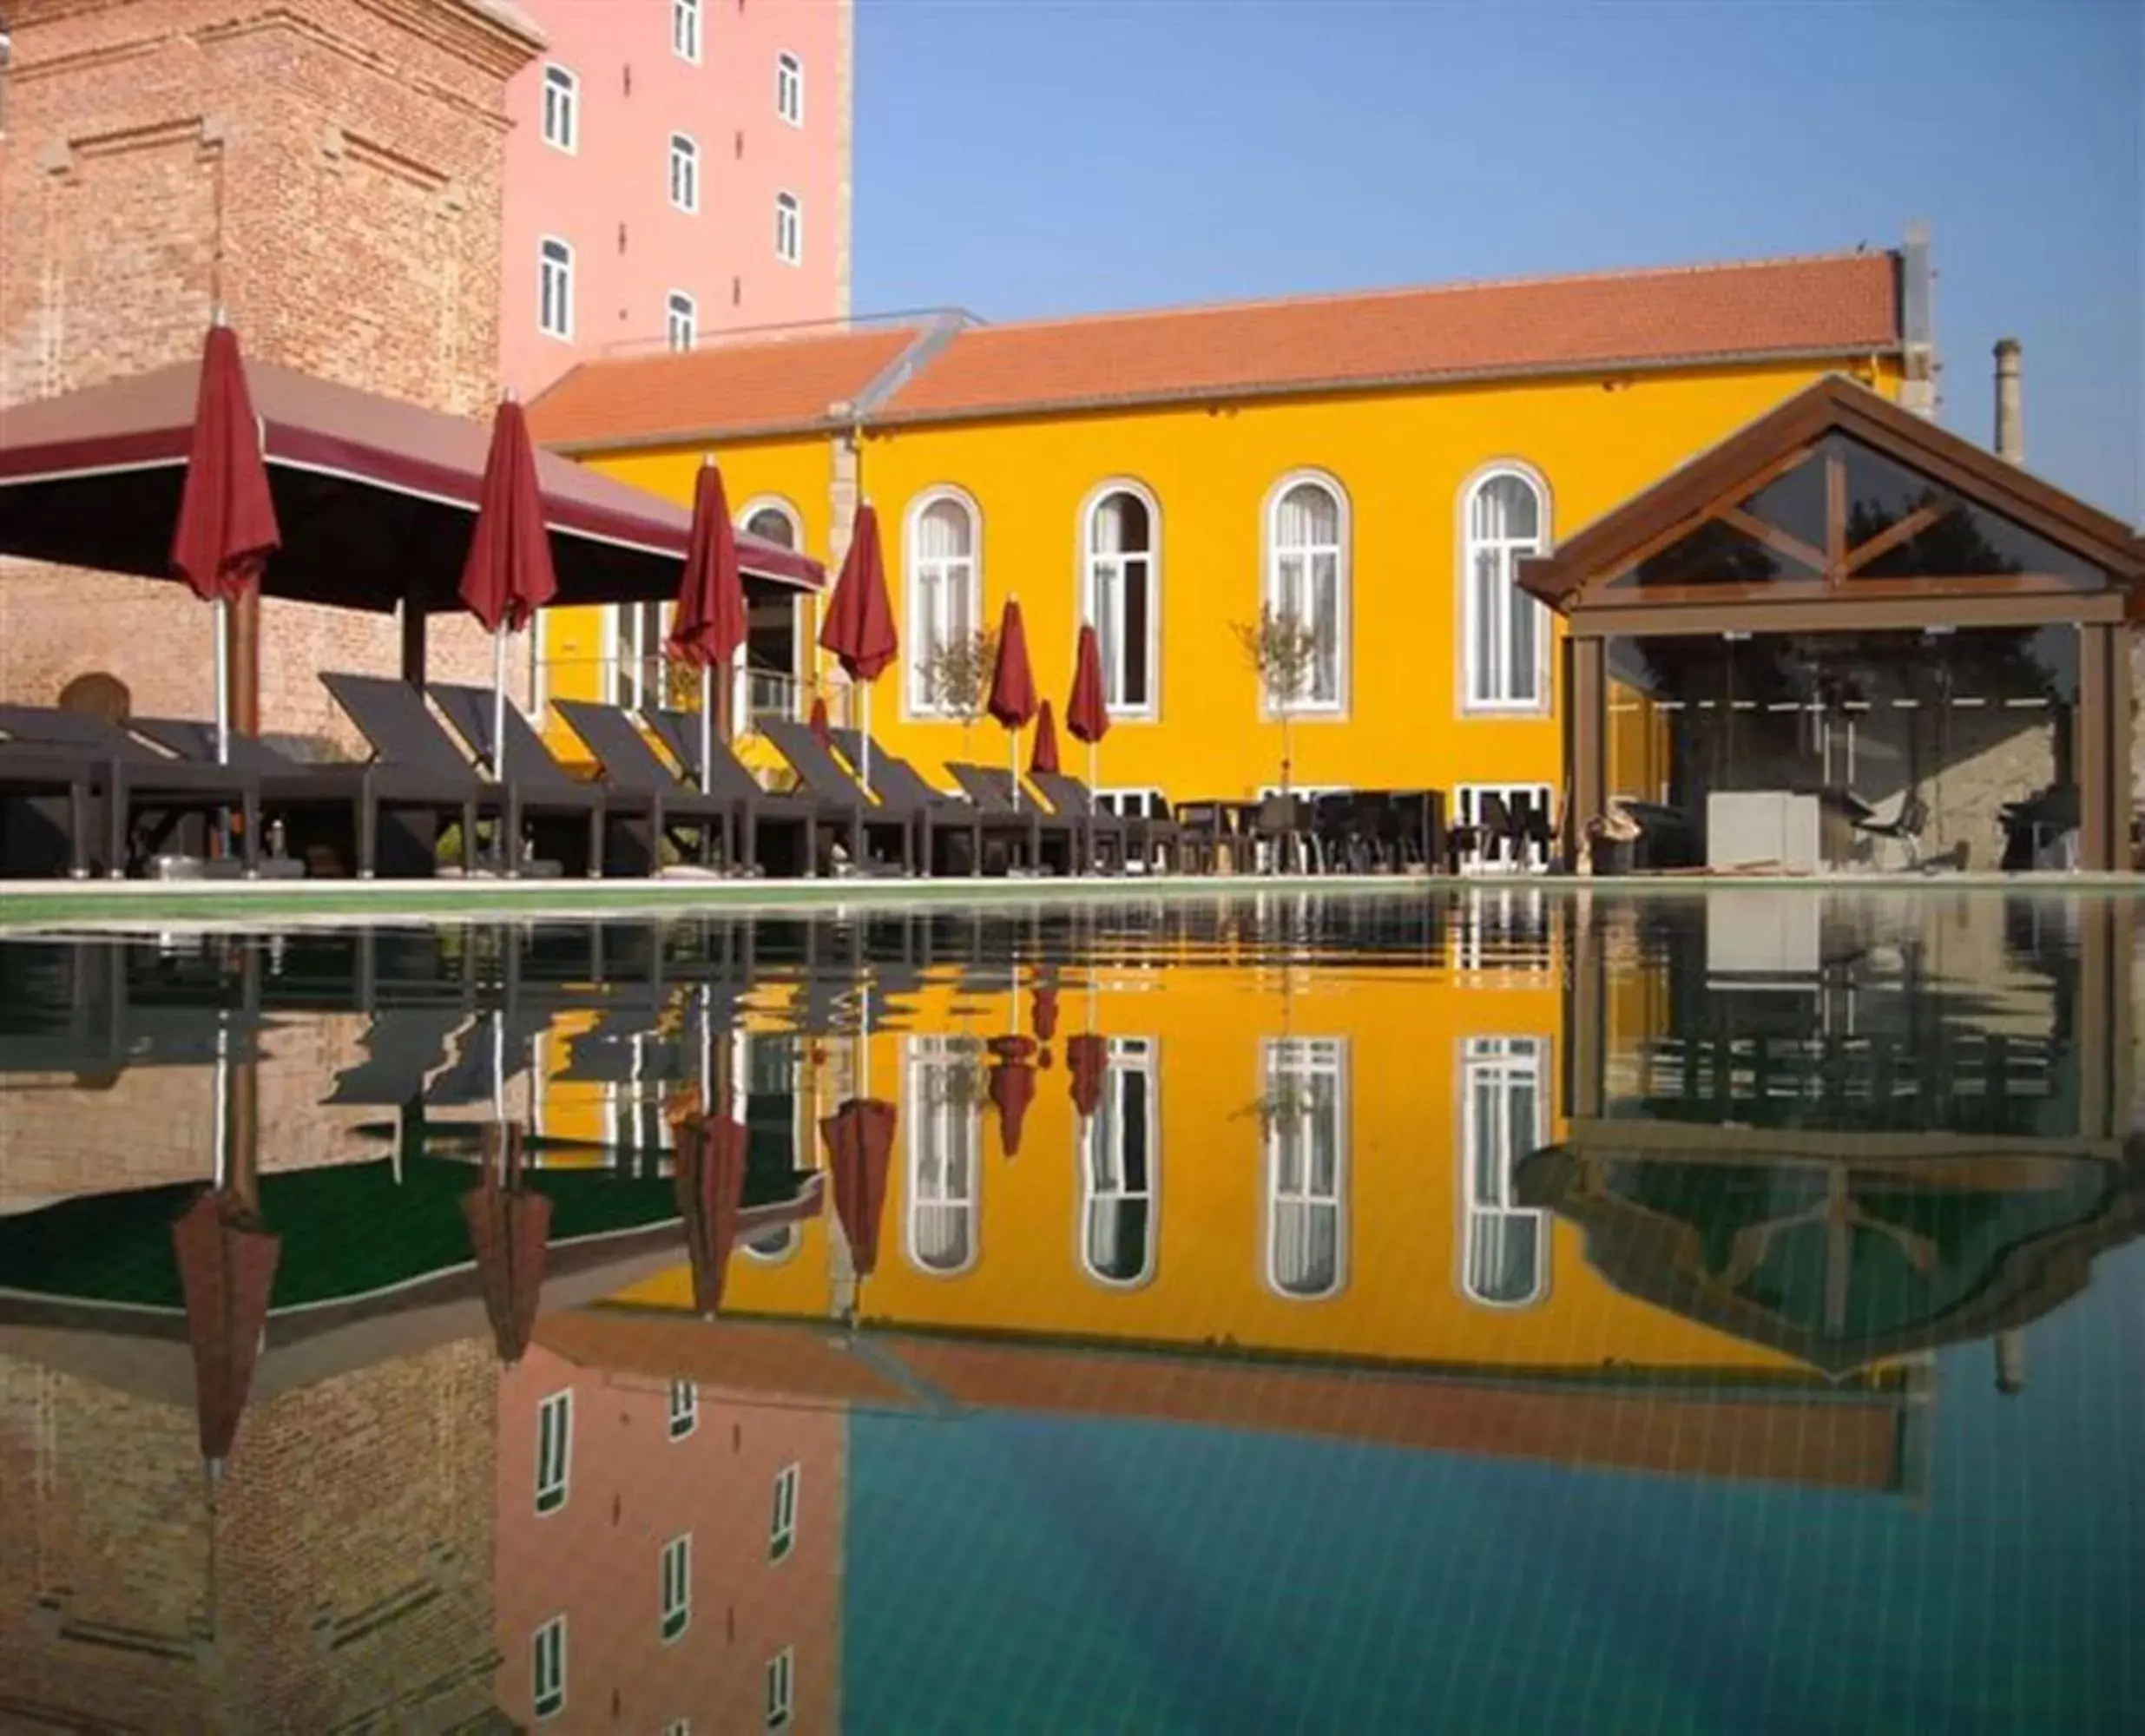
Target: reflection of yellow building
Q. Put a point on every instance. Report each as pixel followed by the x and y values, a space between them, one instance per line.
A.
pixel 1373 466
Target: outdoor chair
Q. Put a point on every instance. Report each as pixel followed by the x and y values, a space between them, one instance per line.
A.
pixel 1905 826
pixel 534 773
pixel 820 774
pixel 1070 800
pixel 1281 822
pixel 895 780
pixel 146 795
pixel 993 790
pixel 799 817
pixel 629 762
pixel 31 776
pixel 302 795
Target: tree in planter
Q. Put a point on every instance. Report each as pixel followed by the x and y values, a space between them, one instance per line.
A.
pixel 956 678
pixel 1282 649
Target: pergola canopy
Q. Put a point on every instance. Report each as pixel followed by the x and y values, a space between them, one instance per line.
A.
pixel 374 496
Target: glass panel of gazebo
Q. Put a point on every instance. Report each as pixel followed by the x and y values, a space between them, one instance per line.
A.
pixel 1915 746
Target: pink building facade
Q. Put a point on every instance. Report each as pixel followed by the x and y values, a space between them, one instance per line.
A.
pixel 668 1557
pixel 676 169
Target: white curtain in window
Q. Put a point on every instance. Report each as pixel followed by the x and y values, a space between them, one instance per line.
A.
pixel 1306 583
pixel 943 586
pixel 1504 624
pixel 1506 1251
pixel 1120 564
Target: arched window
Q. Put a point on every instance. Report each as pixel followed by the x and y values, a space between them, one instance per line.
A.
pixel 1304 1109
pixel 1505 515
pixel 1122 526
pixel 1503 1116
pixel 1307 581
pixel 789 89
pixel 776 1244
pixel 685 172
pixel 945 588
pixel 555 288
pixel 789 228
pixel 943 1112
pixel 1117 1181
pixel 772 520
pixel 680 320
pixel 562 108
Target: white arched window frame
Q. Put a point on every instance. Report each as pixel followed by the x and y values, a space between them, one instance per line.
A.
pixel 1504 1114
pixel 681 319
pixel 1504 633
pixel 773 1246
pixel 1121 592
pixel 685 172
pixel 1308 576
pixel 772 519
pixel 944 1118
pixel 942 549
pixel 562 108
pixel 1120 1150
pixel 555 288
pixel 789 88
pixel 1305 1110
pixel 789 228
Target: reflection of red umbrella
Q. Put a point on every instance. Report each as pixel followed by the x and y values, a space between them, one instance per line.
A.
pixel 1087 708
pixel 1012 1088
pixel 1045 1019
pixel 510 1231
pixel 822 731
pixel 859 627
pixel 711 1192
pixel 1043 757
pixel 710 621
pixel 226 1270
pixel 1087 1058
pixel 225 529
pixel 507 574
pixel 859 1143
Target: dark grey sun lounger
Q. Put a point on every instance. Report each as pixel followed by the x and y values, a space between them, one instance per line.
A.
pixel 826 778
pixel 992 789
pixel 532 770
pixel 28 772
pixel 629 762
pixel 894 780
pixel 679 732
pixel 391 716
pixel 139 782
pixel 291 787
pixel 1135 834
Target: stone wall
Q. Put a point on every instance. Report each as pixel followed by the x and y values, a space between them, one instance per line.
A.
pixel 326 171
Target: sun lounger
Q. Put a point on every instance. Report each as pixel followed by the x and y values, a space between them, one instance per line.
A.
pixel 679 733
pixel 992 789
pixel 28 773
pixel 629 761
pixel 292 789
pixel 895 779
pixel 1139 835
pixel 402 731
pixel 826 778
pixel 139 782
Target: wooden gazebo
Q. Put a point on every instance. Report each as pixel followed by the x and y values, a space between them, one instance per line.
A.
pixel 1840 512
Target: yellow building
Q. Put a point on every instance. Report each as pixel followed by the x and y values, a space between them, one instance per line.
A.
pixel 1372 466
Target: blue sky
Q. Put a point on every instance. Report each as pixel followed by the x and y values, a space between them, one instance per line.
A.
pixel 1030 157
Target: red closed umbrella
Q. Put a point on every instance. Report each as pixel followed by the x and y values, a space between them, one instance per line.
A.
pixel 860 1139
pixel 511 1235
pixel 1012 700
pixel 711 1193
pixel 859 626
pixel 1013 1089
pixel 1046 1014
pixel 1043 757
pixel 822 731
pixel 1087 708
pixel 226 1273
pixel 227 526
pixel 507 574
pixel 1087 1059
pixel 710 622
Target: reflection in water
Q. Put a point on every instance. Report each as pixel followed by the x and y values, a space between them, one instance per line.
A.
pixel 636 1323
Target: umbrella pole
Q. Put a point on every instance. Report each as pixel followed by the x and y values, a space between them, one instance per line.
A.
pixel 707 1049
pixel 867 736
pixel 223 681
pixel 1013 758
pixel 498 704
pixel 708 729
pixel 219 1112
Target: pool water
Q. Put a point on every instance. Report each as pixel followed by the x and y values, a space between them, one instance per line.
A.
pixel 1490 1310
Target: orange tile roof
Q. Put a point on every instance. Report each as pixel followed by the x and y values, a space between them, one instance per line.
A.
pixel 736 387
pixel 1836 305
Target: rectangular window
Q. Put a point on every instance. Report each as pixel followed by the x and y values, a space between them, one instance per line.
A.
pixel 1304 1108
pixel 677 1587
pixel 782 1527
pixel 548 1668
pixel 1510 823
pixel 789 89
pixel 1132 804
pixel 685 29
pixel 562 108
pixel 946 1126
pixel 1504 1115
pixel 685 173
pixel 680 320
pixel 634 665
pixel 781 1670
pixel 684 1409
pixel 555 1450
pixel 789 228
pixel 555 288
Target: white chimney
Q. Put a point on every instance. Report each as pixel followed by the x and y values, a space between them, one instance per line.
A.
pixel 2010 415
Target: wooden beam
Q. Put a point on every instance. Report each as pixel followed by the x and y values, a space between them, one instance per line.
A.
pixel 1741 488
pixel 1836 612
pixel 1588 698
pixel 1835 513
pixel 1775 538
pixel 1904 531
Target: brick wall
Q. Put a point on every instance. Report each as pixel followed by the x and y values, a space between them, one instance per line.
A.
pixel 327 171
pixel 353 1553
